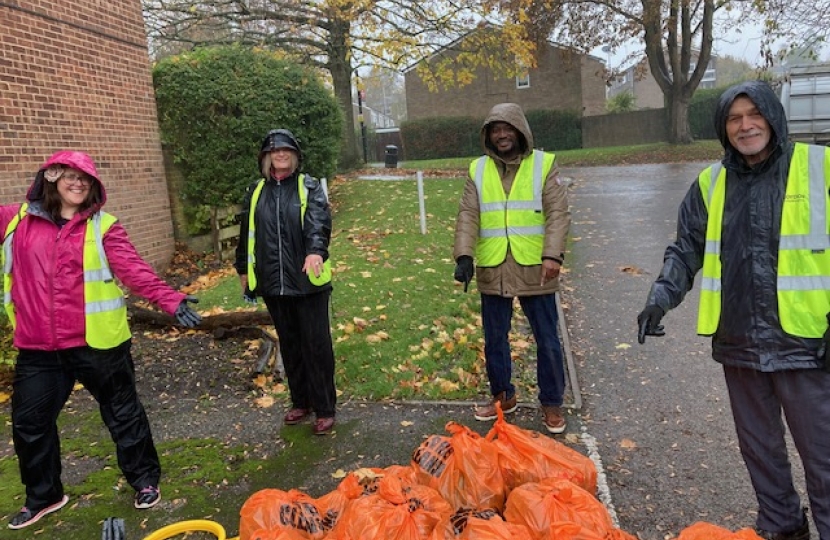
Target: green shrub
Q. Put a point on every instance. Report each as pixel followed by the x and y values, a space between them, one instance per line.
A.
pixel 441 137
pixel 555 130
pixel 215 106
pixel 457 136
pixel 702 113
pixel 622 102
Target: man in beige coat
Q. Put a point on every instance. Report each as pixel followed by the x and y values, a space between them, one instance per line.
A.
pixel 514 220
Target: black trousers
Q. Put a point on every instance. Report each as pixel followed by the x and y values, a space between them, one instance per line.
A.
pixel 760 403
pixel 304 330
pixel 43 381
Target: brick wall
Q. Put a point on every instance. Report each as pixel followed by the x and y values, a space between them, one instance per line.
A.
pixel 561 81
pixel 75 74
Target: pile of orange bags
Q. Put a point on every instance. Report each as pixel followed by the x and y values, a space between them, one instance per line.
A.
pixel 511 484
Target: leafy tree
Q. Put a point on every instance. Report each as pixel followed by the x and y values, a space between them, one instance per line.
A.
pixel 622 102
pixel 216 105
pixel 733 70
pixel 339 36
pixel 677 35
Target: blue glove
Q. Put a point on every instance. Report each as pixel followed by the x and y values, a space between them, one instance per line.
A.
pixel 249 296
pixel 186 315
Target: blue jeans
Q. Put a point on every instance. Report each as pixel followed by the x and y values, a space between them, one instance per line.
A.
pixel 496 315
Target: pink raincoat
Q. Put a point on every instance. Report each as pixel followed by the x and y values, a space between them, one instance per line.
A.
pixel 47 272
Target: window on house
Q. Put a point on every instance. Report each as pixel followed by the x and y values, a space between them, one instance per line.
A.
pixel 523 79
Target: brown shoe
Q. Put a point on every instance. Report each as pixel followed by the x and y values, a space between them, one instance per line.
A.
pixel 554 421
pixel 295 416
pixel 488 412
pixel 323 426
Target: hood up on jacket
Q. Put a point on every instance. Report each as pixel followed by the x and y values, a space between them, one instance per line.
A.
pixel 512 114
pixel 67 158
pixel 763 96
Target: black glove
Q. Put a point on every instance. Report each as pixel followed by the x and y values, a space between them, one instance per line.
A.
pixel 249 296
pixel 464 270
pixel 186 315
pixel 648 322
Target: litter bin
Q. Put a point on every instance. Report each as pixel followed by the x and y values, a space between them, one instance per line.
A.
pixel 391 156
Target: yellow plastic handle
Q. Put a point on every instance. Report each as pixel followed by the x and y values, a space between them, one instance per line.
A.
pixel 194 525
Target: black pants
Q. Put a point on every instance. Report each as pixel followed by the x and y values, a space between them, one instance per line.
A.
pixel 302 324
pixel 758 400
pixel 43 382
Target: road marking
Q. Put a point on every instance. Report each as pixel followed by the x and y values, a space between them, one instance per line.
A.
pixel 603 492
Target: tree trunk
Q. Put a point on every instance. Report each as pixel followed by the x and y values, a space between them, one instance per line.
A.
pixel 231 319
pixel 340 68
pixel 677 109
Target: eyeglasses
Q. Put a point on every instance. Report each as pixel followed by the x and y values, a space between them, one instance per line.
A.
pixel 75 178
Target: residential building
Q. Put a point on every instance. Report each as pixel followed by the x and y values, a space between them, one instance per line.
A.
pixel 562 80
pixel 638 81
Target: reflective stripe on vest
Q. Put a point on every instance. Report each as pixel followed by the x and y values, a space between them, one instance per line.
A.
pixel 303 192
pixel 803 282
pixel 8 235
pixel 105 309
pixel 516 220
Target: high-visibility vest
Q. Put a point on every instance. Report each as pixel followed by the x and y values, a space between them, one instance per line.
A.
pixel 803 283
pixel 325 273
pixel 516 220
pixel 105 310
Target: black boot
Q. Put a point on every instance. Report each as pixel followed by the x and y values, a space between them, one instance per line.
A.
pixel 802 533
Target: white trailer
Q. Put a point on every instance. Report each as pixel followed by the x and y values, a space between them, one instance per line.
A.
pixel 806 99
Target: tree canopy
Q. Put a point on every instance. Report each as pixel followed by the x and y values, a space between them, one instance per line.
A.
pixel 217 104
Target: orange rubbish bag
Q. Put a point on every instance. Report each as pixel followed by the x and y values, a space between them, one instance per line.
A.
pixel 394 512
pixel 463 468
pixel 270 509
pixel 276 534
pixel 470 524
pixel 566 530
pixel 701 530
pixel 537 505
pixel 529 456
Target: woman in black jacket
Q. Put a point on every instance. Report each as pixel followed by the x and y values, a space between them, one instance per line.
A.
pixel 283 257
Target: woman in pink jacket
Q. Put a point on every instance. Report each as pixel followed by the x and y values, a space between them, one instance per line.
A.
pixel 60 255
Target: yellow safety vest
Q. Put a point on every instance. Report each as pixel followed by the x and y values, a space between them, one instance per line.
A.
pixel 515 221
pixel 105 310
pixel 325 273
pixel 803 284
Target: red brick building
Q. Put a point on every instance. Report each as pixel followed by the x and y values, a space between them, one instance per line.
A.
pixel 562 80
pixel 75 74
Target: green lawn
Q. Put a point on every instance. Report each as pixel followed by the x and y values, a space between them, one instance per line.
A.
pixel 402 327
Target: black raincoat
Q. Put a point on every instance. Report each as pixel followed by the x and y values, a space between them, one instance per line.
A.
pixel 282 244
pixel 749 333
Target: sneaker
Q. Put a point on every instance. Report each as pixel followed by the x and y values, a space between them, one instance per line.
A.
pixel 554 421
pixel 802 533
pixel 488 412
pixel 147 498
pixel 26 517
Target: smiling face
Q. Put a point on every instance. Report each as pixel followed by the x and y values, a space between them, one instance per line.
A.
pixel 283 161
pixel 748 131
pixel 505 139
pixel 73 188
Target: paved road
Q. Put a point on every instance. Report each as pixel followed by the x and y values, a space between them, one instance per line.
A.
pixel 659 412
